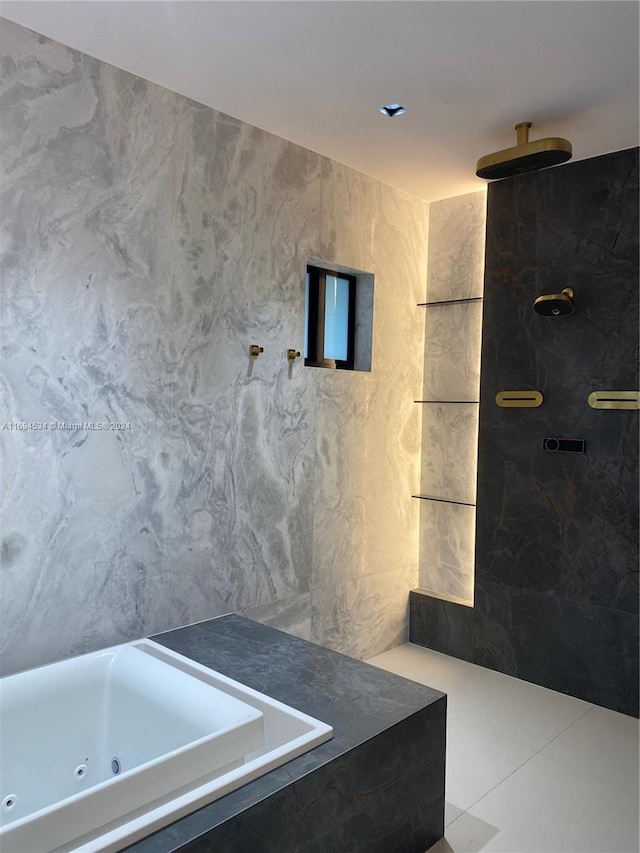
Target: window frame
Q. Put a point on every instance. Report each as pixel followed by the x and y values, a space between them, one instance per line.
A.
pixel 315 318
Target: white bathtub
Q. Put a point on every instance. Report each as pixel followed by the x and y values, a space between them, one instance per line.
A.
pixel 100 750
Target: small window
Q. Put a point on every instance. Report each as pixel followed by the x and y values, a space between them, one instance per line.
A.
pixel 330 319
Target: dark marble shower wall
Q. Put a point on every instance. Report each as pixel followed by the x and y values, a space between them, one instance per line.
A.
pixel 556 595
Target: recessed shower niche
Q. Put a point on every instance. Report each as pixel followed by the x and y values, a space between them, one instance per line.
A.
pixel 450 396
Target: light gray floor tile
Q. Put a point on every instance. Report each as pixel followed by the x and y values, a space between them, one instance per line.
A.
pixel 451 812
pixel 477 761
pixel 548 773
pixel 545 807
pixel 603 743
pixel 516 710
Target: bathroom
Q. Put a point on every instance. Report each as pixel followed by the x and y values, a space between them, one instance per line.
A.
pixel 153 240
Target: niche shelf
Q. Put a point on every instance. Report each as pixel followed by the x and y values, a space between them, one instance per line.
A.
pixel 442 500
pixel 451 301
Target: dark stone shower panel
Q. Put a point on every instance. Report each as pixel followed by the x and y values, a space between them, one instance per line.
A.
pixel 557 533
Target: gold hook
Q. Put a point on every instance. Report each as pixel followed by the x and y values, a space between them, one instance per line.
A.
pixel 292 354
pixel 255 350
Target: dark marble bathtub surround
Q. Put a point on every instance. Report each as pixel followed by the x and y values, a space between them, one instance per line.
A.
pixel 377 787
pixel 556 596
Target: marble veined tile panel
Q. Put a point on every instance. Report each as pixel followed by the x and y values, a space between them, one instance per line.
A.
pixel 447 543
pixel 400 233
pixel 243 432
pixel 248 217
pixel 449 451
pixel 393 421
pixel 453 338
pixel 341 399
pixel 349 201
pixel 456 247
pixel 83 557
pixel 393 469
pixel 292 615
pixel 365 616
pixel 251 482
pixel 379 456
pixel 88 194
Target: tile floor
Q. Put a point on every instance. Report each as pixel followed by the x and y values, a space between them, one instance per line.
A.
pixel 528 770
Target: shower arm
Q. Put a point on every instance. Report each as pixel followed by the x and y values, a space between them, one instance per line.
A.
pixel 522 132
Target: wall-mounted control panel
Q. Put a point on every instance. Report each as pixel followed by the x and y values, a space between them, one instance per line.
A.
pixel 563 445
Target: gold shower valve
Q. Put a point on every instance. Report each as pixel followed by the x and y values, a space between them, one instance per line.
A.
pixel 255 350
pixel 292 354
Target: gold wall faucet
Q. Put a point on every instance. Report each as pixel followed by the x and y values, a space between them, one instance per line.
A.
pixel 292 354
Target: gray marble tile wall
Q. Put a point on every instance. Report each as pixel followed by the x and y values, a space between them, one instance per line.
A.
pixel 147 241
pixel 451 391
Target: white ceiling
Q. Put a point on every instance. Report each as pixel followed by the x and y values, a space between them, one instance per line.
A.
pixel 315 72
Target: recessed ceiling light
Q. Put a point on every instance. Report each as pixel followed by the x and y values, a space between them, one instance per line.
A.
pixel 392 110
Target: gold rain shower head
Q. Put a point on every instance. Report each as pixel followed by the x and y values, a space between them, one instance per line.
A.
pixel 524 156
